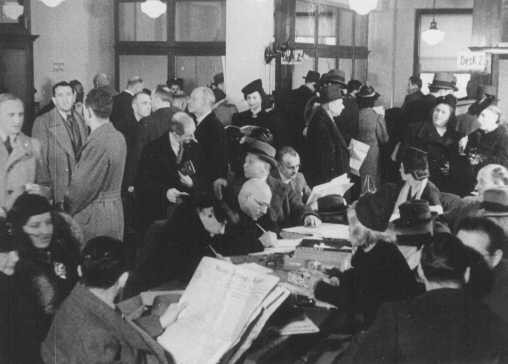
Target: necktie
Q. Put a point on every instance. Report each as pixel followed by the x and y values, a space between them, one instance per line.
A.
pixel 179 156
pixel 8 145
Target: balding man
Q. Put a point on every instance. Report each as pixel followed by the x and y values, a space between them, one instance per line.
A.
pixel 252 233
pixel 210 135
pixel 167 171
pixel 20 155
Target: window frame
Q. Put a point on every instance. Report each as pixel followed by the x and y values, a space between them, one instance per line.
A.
pixel 170 48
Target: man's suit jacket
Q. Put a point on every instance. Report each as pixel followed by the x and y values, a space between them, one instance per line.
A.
pixel 122 113
pixel 211 137
pixel 86 330
pixel 58 155
pixel 20 167
pixel 158 172
pixel 94 195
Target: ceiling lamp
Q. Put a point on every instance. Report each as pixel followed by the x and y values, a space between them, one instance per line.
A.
pixel 12 10
pixel 52 3
pixel 153 8
pixel 433 35
pixel 362 7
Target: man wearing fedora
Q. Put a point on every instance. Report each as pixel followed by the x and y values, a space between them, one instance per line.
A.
pixel 495 206
pixel 327 154
pixel 296 107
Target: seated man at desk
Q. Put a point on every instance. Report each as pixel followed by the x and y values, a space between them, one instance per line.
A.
pixel 286 207
pixel 87 329
pixel 253 230
pixel 288 172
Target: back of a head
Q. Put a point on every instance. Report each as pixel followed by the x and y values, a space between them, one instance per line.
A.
pixel 164 93
pixel 134 81
pixel 416 80
pixel 495 233
pixel 353 85
pixel 205 93
pixel 101 80
pixel 445 259
pixel 180 121
pixel 100 100
pixel 102 262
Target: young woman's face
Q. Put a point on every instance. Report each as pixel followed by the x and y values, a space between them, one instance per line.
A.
pixel 441 115
pixel 254 100
pixel 40 230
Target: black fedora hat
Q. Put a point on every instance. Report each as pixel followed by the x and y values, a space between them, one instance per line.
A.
pixel 253 86
pixel 444 81
pixel 334 76
pixel 367 92
pixel 312 76
pixel 415 218
pixel 263 150
pixel 330 93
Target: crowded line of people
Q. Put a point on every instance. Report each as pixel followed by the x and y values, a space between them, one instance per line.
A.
pixel 117 193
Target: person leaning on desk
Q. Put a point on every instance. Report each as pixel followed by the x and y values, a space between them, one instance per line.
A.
pixel 379 273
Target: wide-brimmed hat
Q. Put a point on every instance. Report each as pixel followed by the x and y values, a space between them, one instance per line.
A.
pixel 263 150
pixel 218 78
pixel 373 210
pixel 444 81
pixel 175 81
pixel 415 218
pixel 331 205
pixel 334 76
pixel 26 206
pixel 415 162
pixel 254 86
pixel 367 92
pixel 495 201
pixel 312 76
pixel 449 100
pixel 330 93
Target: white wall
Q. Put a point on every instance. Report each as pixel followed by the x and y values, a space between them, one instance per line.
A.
pixel 77 33
pixel 391 44
pixel 249 29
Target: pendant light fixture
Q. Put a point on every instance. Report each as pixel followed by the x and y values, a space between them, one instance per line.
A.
pixel 433 35
pixel 363 7
pixel 153 8
pixel 52 3
pixel 12 10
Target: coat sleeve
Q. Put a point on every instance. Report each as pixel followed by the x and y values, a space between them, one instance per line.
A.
pixel 40 133
pixel 100 347
pixel 381 132
pixel 87 178
pixel 213 158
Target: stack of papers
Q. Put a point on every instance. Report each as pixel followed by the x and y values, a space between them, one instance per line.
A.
pixel 358 154
pixel 226 308
pixel 325 230
pixel 337 186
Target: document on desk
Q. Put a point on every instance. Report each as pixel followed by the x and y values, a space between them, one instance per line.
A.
pixel 337 186
pixel 358 153
pixel 222 300
pixel 325 230
pixel 301 325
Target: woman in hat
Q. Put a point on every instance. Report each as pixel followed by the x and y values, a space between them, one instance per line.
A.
pixel 487 145
pixel 327 154
pixel 43 277
pixel 379 273
pixel 259 113
pixel 440 140
pixel 371 131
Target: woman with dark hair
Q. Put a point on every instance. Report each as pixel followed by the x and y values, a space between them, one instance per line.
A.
pixel 43 277
pixel 445 324
pixel 440 140
pixel 371 131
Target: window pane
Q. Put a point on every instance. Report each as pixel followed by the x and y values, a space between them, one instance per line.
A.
pixel 197 71
pixel 326 64
pixel 345 27
pixel 361 70
pixel 301 69
pixel 200 21
pixel 305 22
pixel 327 33
pixel 361 30
pixel 443 56
pixel 134 25
pixel 152 69
pixel 346 65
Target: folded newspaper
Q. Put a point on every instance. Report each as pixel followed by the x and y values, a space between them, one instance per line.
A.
pixel 337 186
pixel 227 306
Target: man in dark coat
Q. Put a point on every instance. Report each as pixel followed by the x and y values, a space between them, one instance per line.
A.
pixel 168 171
pixel 444 325
pixel 87 329
pixel 210 135
pixel 94 196
pixel 413 108
pixel 259 114
pixel 327 154
pixel 348 120
pixel 296 106
pixel 122 113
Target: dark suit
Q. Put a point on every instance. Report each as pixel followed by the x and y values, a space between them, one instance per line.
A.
pixel 348 120
pixel 86 330
pixel 295 114
pixel 418 108
pixel 122 114
pixel 497 300
pixel 327 152
pixel 440 326
pixel 211 137
pixel 158 172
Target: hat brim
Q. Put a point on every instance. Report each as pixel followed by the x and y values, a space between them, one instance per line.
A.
pixel 443 87
pixel 374 95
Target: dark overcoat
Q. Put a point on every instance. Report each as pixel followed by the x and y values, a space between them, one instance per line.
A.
pixel 272 120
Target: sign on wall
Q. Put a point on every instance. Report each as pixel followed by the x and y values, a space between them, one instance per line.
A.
pixel 473 61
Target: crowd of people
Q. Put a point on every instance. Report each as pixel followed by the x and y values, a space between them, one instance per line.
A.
pixel 117 193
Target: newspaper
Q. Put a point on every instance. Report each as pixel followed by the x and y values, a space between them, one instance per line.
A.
pixel 358 152
pixel 337 186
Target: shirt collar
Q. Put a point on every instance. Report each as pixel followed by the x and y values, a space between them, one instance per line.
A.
pixel 64 115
